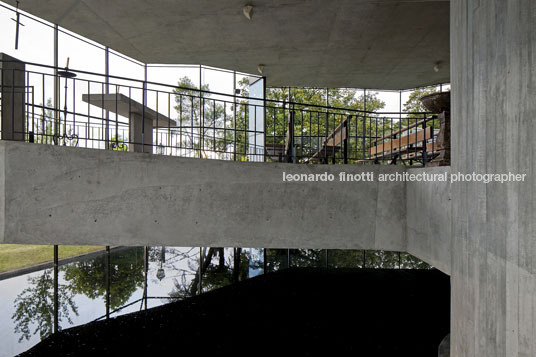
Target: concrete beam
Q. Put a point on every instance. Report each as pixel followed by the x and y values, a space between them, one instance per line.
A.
pixel 64 195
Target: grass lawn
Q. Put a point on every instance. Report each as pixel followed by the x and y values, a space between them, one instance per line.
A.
pixel 13 256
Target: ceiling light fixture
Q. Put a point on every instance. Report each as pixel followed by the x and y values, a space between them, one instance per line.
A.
pixel 260 68
pixel 437 67
pixel 248 11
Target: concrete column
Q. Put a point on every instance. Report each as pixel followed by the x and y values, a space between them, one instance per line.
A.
pixel 13 97
pixel 135 125
pixel 493 75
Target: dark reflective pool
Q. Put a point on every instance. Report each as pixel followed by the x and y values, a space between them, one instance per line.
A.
pixel 123 280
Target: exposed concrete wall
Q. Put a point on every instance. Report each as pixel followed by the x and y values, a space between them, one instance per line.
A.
pixel 428 210
pixel 66 195
pixel 494 130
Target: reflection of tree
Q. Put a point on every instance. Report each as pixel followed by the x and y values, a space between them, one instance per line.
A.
pixel 126 275
pixel 277 259
pixel 35 305
pixel 217 270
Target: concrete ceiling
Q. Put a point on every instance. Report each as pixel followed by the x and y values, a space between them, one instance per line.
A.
pixel 381 44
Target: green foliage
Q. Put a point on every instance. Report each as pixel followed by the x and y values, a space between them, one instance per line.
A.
pixel 217 271
pixel 202 119
pixel 301 258
pixel 126 275
pixel 312 122
pixel 35 306
pixel 118 144
pixel 45 124
pixel 45 127
pixel 414 105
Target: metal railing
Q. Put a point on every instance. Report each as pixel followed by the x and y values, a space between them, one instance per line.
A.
pixel 85 109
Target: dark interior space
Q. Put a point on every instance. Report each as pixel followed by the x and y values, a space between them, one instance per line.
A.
pixel 302 312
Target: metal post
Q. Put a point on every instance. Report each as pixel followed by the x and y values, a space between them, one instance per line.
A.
pixel 201 119
pixel 424 151
pixel 265 261
pixel 107 280
pixel 146 268
pixel 234 117
pixel 236 267
pixel 326 127
pixel 56 299
pixel 288 258
pixel 363 141
pixel 200 270
pixel 107 91
pixel 345 142
pixel 143 110
pixel 291 150
pixel 264 122
pixel 56 88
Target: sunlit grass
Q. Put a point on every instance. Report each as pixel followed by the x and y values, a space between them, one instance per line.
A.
pixel 14 256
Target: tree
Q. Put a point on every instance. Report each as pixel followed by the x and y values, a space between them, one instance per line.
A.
pixel 44 124
pixel 313 121
pixel 217 270
pixel 118 144
pixel 126 276
pixel 45 128
pixel 277 259
pixel 202 120
pixel 414 105
pixel 35 306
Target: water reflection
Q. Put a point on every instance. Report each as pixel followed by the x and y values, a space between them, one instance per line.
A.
pixel 34 306
pixel 126 274
pixel 124 280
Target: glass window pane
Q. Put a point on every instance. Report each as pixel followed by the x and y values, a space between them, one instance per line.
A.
pixel 382 259
pixel 276 259
pixel 339 258
pixel 304 258
pixel 82 284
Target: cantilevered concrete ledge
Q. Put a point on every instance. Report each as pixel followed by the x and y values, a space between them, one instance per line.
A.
pixel 63 195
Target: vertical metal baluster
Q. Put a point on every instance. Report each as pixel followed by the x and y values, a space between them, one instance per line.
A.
pixel 116 144
pixel 234 116
pixel 106 91
pixel 88 112
pixel 288 258
pixel 200 270
pixel 107 279
pixel 146 266
pixel 214 125
pixel 143 109
pixel 169 140
pixel 56 298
